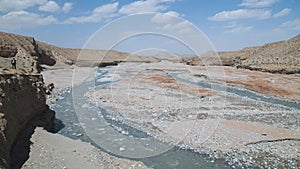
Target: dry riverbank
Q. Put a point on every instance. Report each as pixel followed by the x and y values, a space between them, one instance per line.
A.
pixel 242 130
pixel 50 150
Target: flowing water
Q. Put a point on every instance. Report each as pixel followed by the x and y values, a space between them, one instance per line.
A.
pixel 76 114
pixel 238 91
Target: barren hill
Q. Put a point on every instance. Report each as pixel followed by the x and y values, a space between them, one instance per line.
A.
pixel 277 57
pixel 31 54
pixel 283 56
pixel 26 51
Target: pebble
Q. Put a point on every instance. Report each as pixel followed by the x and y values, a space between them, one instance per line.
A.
pixel 254 156
pixel 79 135
pixel 122 149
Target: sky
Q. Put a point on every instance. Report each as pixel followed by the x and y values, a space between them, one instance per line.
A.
pixel 179 26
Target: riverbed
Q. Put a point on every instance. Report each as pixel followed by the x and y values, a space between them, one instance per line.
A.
pixel 174 117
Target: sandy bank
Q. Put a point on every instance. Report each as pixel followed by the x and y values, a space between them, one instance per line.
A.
pixel 148 99
pixel 56 151
pixel 50 150
pixel 228 126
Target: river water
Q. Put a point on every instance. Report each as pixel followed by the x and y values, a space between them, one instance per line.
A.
pixel 238 91
pixel 78 119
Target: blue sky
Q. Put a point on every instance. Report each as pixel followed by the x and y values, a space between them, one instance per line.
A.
pixel 229 25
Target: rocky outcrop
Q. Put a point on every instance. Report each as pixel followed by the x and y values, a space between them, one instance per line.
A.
pixel 31 55
pixel 26 50
pixel 8 50
pixel 278 57
pixel 22 98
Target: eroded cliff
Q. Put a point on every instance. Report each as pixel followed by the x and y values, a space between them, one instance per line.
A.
pixel 22 98
pixel 277 57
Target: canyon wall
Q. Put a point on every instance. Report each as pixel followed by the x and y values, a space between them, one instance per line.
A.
pixel 22 98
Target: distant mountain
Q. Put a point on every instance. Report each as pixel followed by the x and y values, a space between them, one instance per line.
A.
pixel 277 57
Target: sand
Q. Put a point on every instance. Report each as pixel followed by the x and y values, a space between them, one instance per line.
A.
pixel 50 150
pixel 203 119
pixel 228 135
pixel 56 151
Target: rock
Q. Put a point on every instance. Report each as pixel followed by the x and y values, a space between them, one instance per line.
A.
pixel 277 57
pixel 202 115
pixel 32 55
pixel 8 51
pixel 122 149
pixel 79 135
pixel 22 99
pixel 201 76
pixel 26 50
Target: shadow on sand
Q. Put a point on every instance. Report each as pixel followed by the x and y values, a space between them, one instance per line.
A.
pixel 21 149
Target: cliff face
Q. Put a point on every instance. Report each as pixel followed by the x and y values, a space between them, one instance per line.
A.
pixel 21 99
pixel 277 57
pixel 31 54
pixel 26 50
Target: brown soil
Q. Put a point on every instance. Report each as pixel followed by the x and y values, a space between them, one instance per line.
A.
pixel 163 80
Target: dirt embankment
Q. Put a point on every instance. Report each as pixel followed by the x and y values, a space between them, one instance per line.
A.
pixel 278 57
pixel 22 98
pixel 23 102
pixel 32 55
pixel 26 50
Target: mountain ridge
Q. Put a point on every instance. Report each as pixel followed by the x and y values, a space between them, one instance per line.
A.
pixel 276 57
pixel 31 55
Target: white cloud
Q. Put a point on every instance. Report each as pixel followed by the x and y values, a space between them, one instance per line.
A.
pixel 107 8
pixel 23 19
pixel 144 6
pixel 12 5
pixel 291 25
pixel 283 12
pixel 98 14
pixel 111 10
pixel 50 6
pixel 67 7
pixel 164 17
pixel 241 14
pixel 258 3
pixel 183 27
pixel 233 27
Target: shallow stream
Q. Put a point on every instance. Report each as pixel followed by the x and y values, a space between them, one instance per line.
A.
pixel 101 127
pixel 238 91
pixel 79 119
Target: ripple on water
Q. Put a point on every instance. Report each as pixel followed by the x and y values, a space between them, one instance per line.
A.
pixel 173 158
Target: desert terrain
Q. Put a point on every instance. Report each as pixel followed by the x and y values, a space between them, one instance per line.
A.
pixel 116 107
